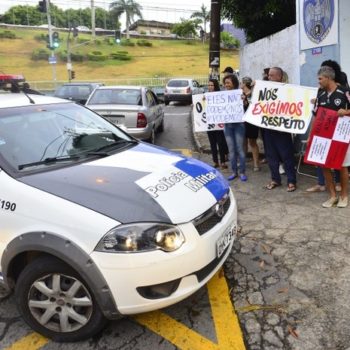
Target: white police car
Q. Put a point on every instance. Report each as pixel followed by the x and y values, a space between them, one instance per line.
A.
pixel 95 224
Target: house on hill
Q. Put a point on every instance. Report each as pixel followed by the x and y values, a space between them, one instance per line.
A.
pixel 151 27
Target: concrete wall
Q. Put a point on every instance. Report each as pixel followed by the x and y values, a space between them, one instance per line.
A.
pixel 344 35
pixel 280 49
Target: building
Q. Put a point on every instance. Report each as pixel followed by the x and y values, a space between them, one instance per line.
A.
pixel 151 27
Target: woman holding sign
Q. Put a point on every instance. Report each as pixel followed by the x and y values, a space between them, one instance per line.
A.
pixel 235 136
pixel 251 131
pixel 217 137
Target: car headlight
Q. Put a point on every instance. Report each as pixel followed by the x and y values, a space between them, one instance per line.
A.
pixel 141 237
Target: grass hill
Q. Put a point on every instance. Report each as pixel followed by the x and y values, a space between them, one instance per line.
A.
pixel 103 59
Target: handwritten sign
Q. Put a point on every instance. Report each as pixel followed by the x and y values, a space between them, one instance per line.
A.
pixel 200 122
pixel 329 139
pixel 224 106
pixel 283 107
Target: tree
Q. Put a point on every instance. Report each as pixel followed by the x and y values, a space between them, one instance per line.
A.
pixel 186 28
pixel 260 18
pixel 131 9
pixel 203 15
pixel 229 41
pixel 25 15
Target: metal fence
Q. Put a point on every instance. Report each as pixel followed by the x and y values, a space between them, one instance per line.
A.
pixel 47 86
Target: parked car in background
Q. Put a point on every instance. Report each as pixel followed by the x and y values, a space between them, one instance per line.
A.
pixel 78 92
pixel 181 90
pixel 159 91
pixel 134 108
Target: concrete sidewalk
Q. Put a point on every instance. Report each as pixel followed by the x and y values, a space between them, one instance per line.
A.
pixel 289 271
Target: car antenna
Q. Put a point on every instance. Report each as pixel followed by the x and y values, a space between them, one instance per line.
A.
pixel 16 88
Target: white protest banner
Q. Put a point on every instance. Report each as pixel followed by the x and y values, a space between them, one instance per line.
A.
pixel 282 107
pixel 200 116
pixel 224 106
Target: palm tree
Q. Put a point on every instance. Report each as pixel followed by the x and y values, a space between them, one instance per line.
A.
pixel 131 9
pixel 203 15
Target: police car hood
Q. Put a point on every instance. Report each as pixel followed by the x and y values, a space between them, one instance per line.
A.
pixel 144 183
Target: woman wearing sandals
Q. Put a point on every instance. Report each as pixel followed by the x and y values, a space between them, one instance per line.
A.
pixel 217 137
pixel 235 136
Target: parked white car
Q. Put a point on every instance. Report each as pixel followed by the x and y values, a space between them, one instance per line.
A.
pixel 181 90
pixel 135 107
pixel 95 224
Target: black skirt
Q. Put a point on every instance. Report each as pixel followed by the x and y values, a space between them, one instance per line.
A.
pixel 251 131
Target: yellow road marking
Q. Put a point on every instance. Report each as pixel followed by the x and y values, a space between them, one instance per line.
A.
pixel 32 341
pixel 185 151
pixel 228 332
pixel 227 327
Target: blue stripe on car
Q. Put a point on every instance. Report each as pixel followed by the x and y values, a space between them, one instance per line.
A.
pixel 217 186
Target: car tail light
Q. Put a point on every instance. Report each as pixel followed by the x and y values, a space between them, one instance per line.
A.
pixel 188 90
pixel 165 91
pixel 141 120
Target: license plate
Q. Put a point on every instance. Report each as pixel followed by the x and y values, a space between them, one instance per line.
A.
pixel 116 120
pixel 224 241
pixel 176 91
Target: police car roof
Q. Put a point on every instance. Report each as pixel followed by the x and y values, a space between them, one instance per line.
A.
pixel 8 99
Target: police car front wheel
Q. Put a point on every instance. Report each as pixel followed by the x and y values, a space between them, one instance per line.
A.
pixel 55 301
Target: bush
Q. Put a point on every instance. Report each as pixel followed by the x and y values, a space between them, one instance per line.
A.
pixel 40 37
pixel 75 57
pixel 7 35
pixel 126 42
pixel 121 56
pixel 96 56
pixel 108 41
pixel 143 42
pixel 40 54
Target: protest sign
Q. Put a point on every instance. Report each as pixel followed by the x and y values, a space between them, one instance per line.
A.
pixel 224 106
pixel 282 107
pixel 200 116
pixel 329 139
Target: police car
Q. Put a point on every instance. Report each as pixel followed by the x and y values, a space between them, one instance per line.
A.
pixel 95 224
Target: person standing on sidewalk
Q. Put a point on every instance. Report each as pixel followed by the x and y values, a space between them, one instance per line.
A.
pixel 279 147
pixel 217 137
pixel 235 136
pixel 251 131
pixel 336 98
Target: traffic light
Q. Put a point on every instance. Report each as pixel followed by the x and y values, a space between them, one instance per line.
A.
pixel 55 40
pixel 118 36
pixel 72 74
pixel 42 6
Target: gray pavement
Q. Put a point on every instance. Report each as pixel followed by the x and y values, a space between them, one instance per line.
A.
pixel 289 272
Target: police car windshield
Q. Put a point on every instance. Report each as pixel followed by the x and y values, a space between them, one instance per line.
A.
pixel 32 134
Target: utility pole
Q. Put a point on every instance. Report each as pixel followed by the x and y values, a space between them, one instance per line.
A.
pixel 214 43
pixel 93 32
pixel 53 58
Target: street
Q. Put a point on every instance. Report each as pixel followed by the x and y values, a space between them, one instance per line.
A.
pixel 285 285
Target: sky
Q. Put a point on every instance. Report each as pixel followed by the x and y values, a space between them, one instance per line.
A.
pixel 159 10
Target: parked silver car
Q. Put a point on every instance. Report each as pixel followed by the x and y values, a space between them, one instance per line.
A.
pixel 135 109
pixel 181 90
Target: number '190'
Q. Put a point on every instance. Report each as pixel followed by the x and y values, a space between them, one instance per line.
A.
pixel 6 205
